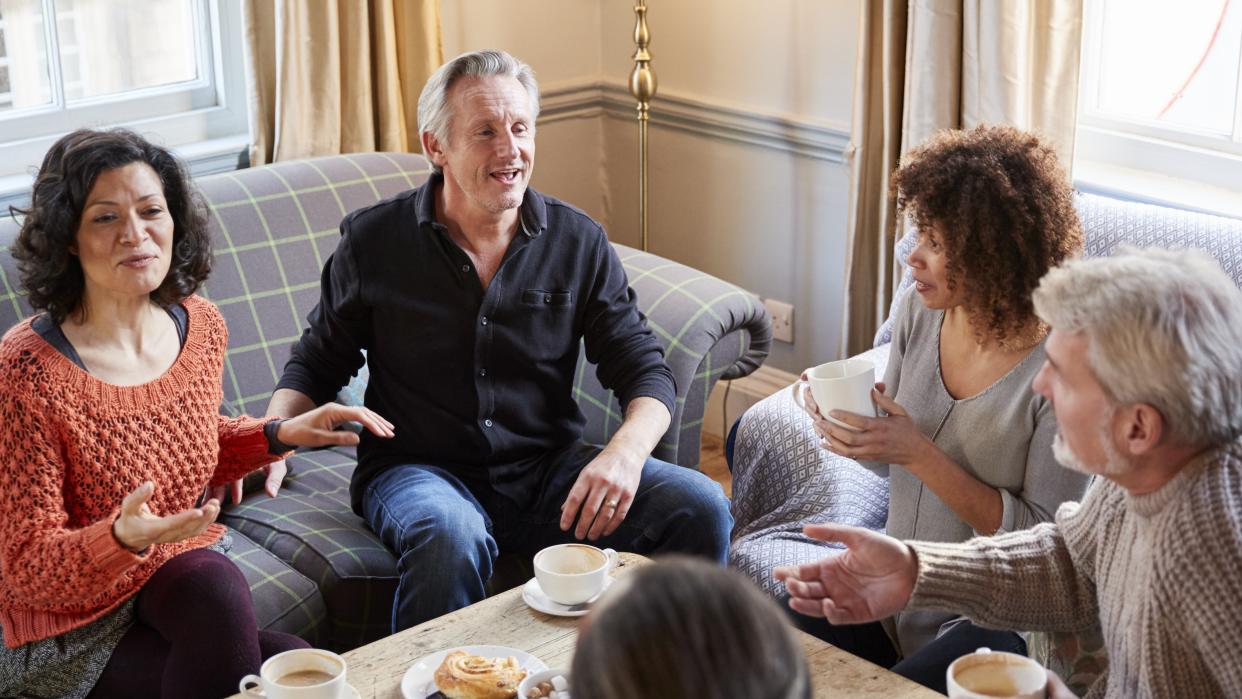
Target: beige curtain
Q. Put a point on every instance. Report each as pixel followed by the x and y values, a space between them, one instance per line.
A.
pixel 337 76
pixel 927 65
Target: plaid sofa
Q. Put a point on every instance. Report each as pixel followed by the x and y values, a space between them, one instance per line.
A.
pixel 313 566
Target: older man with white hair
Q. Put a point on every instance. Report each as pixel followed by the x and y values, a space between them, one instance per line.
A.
pixel 1144 372
pixel 472 295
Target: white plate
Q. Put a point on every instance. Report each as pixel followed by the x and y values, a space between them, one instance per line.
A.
pixel 534 597
pixel 419 681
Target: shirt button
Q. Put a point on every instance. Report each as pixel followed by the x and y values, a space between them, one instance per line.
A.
pixel 482 372
pixel 465 268
pixel 547 299
pixel 487 423
pixel 484 320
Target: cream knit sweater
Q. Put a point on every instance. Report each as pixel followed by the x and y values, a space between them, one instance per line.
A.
pixel 1162 574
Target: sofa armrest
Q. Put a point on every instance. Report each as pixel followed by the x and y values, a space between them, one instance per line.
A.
pixel 710 329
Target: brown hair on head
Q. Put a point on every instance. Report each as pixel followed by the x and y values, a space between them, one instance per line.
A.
pixel 50 274
pixel 683 627
pixel 1004 207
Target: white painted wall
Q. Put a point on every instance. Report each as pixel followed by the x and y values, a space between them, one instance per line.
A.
pixel 768 220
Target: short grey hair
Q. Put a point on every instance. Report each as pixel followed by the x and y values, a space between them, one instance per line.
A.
pixel 1164 328
pixel 434 113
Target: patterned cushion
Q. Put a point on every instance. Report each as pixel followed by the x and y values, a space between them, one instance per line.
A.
pixel 284 599
pixel 311 526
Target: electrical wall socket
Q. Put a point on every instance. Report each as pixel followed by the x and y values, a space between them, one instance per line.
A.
pixel 782 319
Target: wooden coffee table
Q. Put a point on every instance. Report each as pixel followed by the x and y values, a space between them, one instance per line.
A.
pixel 375 670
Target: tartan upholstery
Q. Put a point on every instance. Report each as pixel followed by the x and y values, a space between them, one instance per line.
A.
pixel 710 329
pixel 284 599
pixel 311 526
pixel 273 227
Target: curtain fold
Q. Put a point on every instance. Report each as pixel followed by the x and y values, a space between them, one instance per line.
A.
pixel 927 65
pixel 337 76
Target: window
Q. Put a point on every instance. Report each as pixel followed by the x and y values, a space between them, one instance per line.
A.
pixel 170 69
pixel 1162 91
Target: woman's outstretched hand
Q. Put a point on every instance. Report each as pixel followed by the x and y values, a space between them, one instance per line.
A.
pixel 137 527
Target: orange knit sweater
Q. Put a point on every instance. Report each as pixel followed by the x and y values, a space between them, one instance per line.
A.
pixel 72 447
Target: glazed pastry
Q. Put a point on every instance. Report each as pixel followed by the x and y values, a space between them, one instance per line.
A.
pixel 465 676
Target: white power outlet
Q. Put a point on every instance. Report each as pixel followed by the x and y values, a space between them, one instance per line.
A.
pixel 782 319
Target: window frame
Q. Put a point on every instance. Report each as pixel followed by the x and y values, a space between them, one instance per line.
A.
pixel 209 108
pixel 1147 160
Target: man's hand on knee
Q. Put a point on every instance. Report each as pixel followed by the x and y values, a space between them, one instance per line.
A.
pixel 603 493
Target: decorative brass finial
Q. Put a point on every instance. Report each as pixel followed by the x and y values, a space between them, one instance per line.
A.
pixel 643 87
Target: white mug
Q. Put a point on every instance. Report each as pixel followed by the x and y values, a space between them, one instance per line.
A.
pixel 573 573
pixel 301 673
pixel 988 674
pixel 841 385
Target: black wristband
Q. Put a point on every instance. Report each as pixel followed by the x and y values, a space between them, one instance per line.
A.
pixel 274 445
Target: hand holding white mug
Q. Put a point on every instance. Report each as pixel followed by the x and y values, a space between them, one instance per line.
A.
pixel 891 439
pixel 843 385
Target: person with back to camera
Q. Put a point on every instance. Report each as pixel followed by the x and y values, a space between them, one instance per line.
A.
pixel 684 628
pixel 112 577
pixel 964 442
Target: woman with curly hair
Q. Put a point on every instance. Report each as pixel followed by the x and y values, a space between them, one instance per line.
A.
pixel 112 578
pixel 963 440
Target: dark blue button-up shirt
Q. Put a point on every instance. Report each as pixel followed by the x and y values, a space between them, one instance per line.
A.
pixel 479 382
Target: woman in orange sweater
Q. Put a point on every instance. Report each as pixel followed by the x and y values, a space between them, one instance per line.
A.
pixel 112 580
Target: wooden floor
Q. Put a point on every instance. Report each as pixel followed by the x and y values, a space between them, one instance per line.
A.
pixel 713 462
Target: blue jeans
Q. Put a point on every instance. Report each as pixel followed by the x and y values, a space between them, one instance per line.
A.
pixel 447 531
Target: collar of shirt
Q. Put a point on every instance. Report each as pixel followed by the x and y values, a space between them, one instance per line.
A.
pixel 534 211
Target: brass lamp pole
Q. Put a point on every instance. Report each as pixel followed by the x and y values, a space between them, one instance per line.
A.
pixel 643 87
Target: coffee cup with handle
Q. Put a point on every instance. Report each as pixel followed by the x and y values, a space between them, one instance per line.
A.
pixel 573 573
pixel 988 674
pixel 302 673
pixel 841 385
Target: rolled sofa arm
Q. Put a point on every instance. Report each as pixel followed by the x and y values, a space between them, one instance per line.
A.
pixel 710 329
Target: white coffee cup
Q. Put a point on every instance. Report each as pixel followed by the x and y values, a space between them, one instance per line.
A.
pixel 988 674
pixel 301 673
pixel 573 573
pixel 841 385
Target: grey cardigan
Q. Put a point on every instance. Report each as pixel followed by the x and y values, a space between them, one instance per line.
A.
pixel 1002 436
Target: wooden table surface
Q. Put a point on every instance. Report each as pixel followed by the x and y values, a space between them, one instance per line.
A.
pixel 375 670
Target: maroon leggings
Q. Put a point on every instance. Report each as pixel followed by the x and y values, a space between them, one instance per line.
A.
pixel 195 635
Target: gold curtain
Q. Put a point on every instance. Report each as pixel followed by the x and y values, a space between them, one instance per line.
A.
pixel 927 65
pixel 337 76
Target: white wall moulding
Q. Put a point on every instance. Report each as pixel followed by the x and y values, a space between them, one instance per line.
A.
pixel 802 137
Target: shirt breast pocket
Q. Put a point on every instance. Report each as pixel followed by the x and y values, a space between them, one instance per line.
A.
pixel 550 299
pixel 550 325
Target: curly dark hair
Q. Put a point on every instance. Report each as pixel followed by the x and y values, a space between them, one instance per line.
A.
pixel 50 274
pixel 1005 209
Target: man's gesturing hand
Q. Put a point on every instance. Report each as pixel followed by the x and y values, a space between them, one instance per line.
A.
pixel 603 494
pixel 870 580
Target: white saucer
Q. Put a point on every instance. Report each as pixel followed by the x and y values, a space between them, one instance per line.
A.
pixel 533 596
pixel 352 692
pixel 419 681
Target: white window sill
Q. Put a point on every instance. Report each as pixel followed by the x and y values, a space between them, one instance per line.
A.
pixel 1153 188
pixel 203 158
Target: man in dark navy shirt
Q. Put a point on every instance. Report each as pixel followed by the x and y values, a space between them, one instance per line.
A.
pixel 471 295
